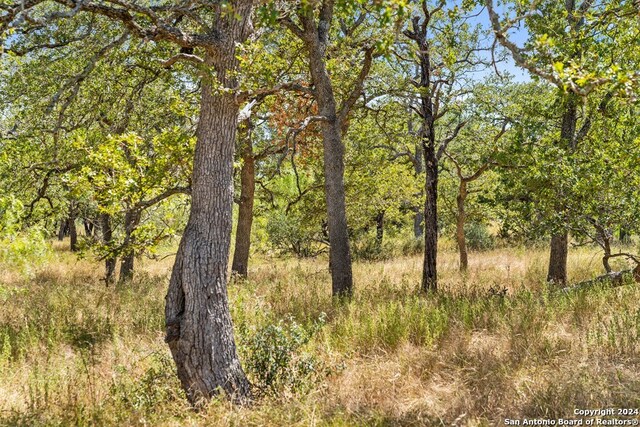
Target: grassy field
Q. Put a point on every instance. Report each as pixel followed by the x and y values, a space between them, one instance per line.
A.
pixel 73 352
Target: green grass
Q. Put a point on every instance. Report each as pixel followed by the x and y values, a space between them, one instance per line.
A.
pixel 73 352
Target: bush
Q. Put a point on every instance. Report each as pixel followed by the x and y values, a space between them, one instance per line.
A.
pixel 478 237
pixel 290 234
pixel 275 360
pixel 19 248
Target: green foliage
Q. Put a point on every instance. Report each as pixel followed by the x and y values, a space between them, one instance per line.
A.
pixel 478 236
pixel 275 358
pixel 20 247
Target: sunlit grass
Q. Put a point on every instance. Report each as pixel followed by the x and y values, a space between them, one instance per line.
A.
pixel 74 352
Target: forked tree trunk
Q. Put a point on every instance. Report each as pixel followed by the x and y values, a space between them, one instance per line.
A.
pixel 461 217
pixel 240 263
pixel 107 239
pixel 88 227
pixel 199 329
pixel 333 155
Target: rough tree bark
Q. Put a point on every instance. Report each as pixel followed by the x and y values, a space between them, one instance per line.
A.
pixel 240 262
pixel 198 324
pixel 199 329
pixel 314 32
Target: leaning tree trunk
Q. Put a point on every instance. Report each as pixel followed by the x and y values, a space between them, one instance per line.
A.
pixel 199 329
pixel 131 221
pixel 240 263
pixel 107 240
pixel 559 241
pixel 333 154
pixel 461 217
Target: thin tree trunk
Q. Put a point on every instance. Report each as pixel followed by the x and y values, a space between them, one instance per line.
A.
pixel 107 240
pixel 240 263
pixel 131 221
pixel 199 329
pixel 73 231
pixel 333 154
pixel 560 242
pixel 379 229
pixel 418 222
pixel 461 217
pixel 429 273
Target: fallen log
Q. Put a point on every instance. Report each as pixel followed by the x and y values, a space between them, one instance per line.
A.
pixel 615 278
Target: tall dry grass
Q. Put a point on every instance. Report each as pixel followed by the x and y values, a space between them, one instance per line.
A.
pixel 73 352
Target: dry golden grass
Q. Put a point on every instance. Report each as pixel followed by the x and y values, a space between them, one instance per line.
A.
pixel 73 352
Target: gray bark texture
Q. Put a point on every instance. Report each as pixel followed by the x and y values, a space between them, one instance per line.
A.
pixel 316 39
pixel 199 329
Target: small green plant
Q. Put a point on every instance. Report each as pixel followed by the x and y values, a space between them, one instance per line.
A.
pixel 478 237
pixel 276 360
pixel 155 386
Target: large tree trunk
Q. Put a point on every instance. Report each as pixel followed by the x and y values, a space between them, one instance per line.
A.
pixel 131 221
pixel 107 240
pixel 199 329
pixel 73 231
pixel 461 217
pixel 240 263
pixel 339 251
